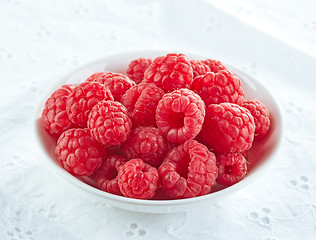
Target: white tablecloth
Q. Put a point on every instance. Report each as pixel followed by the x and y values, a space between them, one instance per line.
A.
pixel 42 41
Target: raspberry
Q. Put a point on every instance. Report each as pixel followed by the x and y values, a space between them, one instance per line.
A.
pixel 146 143
pixel 54 116
pixel 189 170
pixel 114 150
pixel 141 102
pixel 95 76
pixel 137 179
pixel 137 68
pixel 199 68
pixel 214 65
pixel 78 153
pixel 218 87
pixel 180 115
pixel 232 167
pixel 117 83
pixel 108 123
pixel 170 72
pixel 106 176
pixel 83 98
pixel 228 127
pixel 260 114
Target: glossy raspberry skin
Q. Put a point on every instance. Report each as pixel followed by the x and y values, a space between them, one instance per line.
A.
pixel 228 128
pixel 260 114
pixel 82 100
pixel 199 68
pixel 78 153
pixel 95 76
pixel 106 176
pixel 54 116
pixel 232 167
pixel 189 170
pixel 170 72
pixel 141 102
pixel 109 123
pixel 214 65
pixel 218 87
pixel 180 115
pixel 136 69
pixel 117 83
pixel 147 144
pixel 137 179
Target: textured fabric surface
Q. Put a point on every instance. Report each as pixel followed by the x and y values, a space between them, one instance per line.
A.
pixel 20 221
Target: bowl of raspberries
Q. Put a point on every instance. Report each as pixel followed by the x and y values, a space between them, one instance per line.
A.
pixel 153 131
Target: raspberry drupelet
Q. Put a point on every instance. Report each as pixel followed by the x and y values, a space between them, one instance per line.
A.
pixel 106 176
pixel 79 153
pixel 82 100
pixel 109 123
pixel 146 143
pixel 218 87
pixel 170 72
pixel 95 76
pixel 260 114
pixel 188 170
pixel 141 102
pixel 232 167
pixel 137 68
pixel 54 116
pixel 117 83
pixel 199 68
pixel 180 115
pixel 214 65
pixel 137 179
pixel 228 128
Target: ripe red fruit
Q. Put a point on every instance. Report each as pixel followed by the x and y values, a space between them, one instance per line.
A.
pixel 109 123
pixel 180 115
pixel 79 153
pixel 232 167
pixel 170 72
pixel 137 179
pixel 228 128
pixel 189 170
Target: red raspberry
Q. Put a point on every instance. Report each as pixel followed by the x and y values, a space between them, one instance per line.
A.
pixel 117 83
pixel 54 116
pixel 137 179
pixel 232 167
pixel 78 153
pixel 170 72
pixel 228 127
pixel 199 68
pixel 214 65
pixel 260 114
pixel 141 102
pixel 189 170
pixel 108 123
pixel 180 115
pixel 95 76
pixel 137 68
pixel 82 100
pixel 106 176
pixel 218 87
pixel 114 150
pixel 146 143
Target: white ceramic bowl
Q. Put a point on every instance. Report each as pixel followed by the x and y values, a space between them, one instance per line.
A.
pixel 261 155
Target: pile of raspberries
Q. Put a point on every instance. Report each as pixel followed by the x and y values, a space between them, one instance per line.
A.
pixel 170 128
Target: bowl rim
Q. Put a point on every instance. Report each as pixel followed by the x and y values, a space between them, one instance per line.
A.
pixel 125 200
